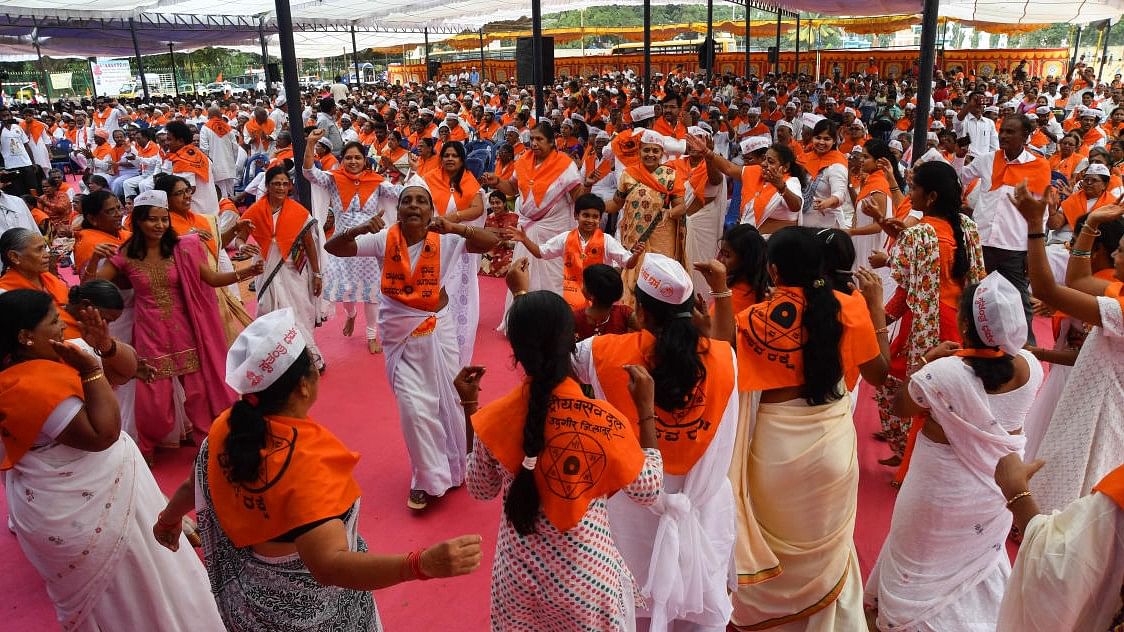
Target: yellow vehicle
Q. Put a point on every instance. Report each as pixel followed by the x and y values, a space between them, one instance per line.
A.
pixel 686 46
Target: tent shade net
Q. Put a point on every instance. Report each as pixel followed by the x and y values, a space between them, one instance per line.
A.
pixel 322 27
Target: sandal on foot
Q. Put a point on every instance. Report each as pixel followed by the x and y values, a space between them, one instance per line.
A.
pixel 893 461
pixel 418 500
pixel 374 346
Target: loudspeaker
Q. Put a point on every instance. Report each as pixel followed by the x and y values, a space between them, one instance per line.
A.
pixel 272 73
pixel 524 61
pixel 773 55
pixel 702 52
pixel 433 71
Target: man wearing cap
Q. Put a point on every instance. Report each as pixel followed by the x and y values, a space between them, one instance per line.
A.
pixel 1091 134
pixel 1001 227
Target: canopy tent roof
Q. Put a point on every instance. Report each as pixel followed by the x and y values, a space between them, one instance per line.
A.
pixel 322 27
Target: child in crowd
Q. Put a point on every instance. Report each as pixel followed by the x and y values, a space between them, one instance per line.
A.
pixel 500 218
pixel 602 288
pixel 582 247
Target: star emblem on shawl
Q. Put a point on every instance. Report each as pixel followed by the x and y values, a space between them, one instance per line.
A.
pixel 572 464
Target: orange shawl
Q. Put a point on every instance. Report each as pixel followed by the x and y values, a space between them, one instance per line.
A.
pixel 103 151
pixel 56 287
pixel 328 162
pixel 505 171
pixel 419 288
pixel 534 180
pixel 260 133
pixel 90 238
pixel 875 183
pixel 364 184
pixel 148 150
pixel 289 223
pixel 696 175
pixel 183 224
pixel 648 178
pixel 1077 205
pixel 574 263
pixel 813 163
pixel 218 126
pixel 588 451
pixel 684 434
pixel 190 160
pixel 283 154
pixel 29 392
pixel 306 476
pixel 34 129
pixel 1036 173
pixel 1065 166
pixel 441 187
pixel 1112 486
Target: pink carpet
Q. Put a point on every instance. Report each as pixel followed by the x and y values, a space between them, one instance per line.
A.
pixel 357 405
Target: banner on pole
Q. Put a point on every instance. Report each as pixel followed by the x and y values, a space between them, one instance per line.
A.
pixel 61 80
pixel 110 75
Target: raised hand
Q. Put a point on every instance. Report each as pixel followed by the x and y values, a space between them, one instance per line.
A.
pixel 641 386
pixel 76 358
pixel 519 276
pixel 714 271
pixel 467 383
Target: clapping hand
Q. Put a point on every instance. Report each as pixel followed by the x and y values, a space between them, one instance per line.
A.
pixel 467 383
pixel 518 275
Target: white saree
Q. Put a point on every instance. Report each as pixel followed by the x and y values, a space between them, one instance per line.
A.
pixel 290 288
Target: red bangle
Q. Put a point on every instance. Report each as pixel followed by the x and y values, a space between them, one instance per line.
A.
pixel 414 560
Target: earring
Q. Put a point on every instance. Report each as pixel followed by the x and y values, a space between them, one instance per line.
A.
pixel 29 343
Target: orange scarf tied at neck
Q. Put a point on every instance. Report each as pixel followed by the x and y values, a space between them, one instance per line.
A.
pixel 364 184
pixel 574 263
pixel 442 190
pixel 813 163
pixel 288 225
pixel 534 180
pixel 419 288
pixel 188 159
pixel 1036 173
pixel 305 476
pixel 589 451
pixel 56 287
pixel 260 132
pixel 29 392
pixel 218 126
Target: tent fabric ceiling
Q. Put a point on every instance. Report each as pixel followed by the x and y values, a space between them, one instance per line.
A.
pixel 66 26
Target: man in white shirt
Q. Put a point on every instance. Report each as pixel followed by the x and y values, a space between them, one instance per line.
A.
pixel 340 91
pixel 13 211
pixel 347 130
pixel 16 152
pixel 1001 227
pixel 325 120
pixel 971 122
pixel 219 141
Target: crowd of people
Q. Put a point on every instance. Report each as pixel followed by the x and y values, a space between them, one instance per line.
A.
pixel 699 280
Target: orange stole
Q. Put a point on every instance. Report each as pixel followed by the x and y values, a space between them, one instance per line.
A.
pixel 29 393
pixel 260 133
pixel 1112 485
pixel 684 434
pixel 1077 205
pixel 364 183
pixel 588 452
pixel 56 287
pixel 1036 173
pixel 289 223
pixel 190 160
pixel 90 238
pixel 441 188
pixel 875 183
pixel 534 180
pixel 103 151
pixel 574 264
pixel 183 224
pixel 218 126
pixel 695 174
pixel 305 476
pixel 648 178
pixel 419 288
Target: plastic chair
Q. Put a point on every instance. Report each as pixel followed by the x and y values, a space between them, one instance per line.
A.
pixel 60 156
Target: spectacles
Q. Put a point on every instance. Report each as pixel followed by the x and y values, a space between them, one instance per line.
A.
pixel 184 192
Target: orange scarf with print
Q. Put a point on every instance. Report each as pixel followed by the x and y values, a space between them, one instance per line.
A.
pixel 1036 173
pixel 305 476
pixel 441 188
pixel 218 126
pixel 574 263
pixel 56 287
pixel 364 184
pixel 589 451
pixel 29 392
pixel 419 288
pixel 285 229
pixel 188 159
pixel 534 180
pixel 683 434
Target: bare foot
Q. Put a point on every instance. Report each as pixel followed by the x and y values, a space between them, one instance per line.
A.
pixel 349 326
pixel 373 346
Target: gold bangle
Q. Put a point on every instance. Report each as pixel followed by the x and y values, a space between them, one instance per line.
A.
pixel 882 330
pixel 1016 497
pixel 93 377
pixel 726 294
pixel 518 294
pixel 1091 230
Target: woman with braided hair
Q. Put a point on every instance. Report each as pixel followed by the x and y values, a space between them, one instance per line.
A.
pixel 558 455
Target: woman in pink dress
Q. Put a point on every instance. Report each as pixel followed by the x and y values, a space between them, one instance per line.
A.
pixel 177 331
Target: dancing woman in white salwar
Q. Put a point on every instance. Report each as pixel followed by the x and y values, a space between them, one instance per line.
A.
pixel 944 565
pixel 417 255
pixel 1086 434
pixel 457 197
pixel 71 469
pixel 547 183
pixel 356 194
pixel 285 231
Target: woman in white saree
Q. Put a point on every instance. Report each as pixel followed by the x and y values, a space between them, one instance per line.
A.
pixel 80 497
pixel 944 565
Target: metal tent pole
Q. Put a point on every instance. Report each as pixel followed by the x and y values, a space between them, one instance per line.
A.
pixel 93 85
pixel 1104 50
pixel 292 94
pixel 42 68
pixel 925 78
pixel 647 49
pixel 536 56
pixel 708 44
pixel 175 79
pixel 355 57
pixel 777 57
pixel 1073 60
pixel 482 80
pixel 426 52
pixel 140 64
pixel 747 44
pixel 264 56
pixel 796 64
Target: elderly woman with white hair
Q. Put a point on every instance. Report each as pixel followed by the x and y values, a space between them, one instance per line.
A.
pixel 944 565
pixel 416 255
